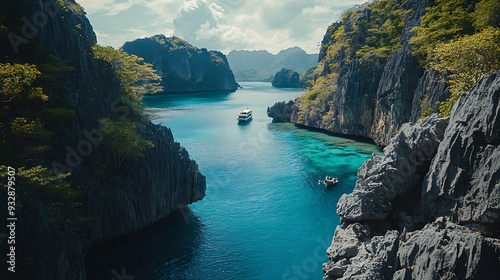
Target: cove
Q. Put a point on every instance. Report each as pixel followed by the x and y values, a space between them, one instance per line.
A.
pixel 264 215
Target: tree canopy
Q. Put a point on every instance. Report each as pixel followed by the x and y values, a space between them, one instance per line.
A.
pixel 136 77
pixel 460 40
pixel 465 60
pixel 122 137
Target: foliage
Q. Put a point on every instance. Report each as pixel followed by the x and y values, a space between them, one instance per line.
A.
pixel 62 200
pixel 465 60
pixel 17 79
pixel 40 176
pixel 486 14
pixel 458 39
pixel 137 78
pixel 317 95
pixel 371 29
pixel 447 20
pixel 122 137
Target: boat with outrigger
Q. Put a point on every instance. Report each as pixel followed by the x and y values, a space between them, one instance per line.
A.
pixel 330 181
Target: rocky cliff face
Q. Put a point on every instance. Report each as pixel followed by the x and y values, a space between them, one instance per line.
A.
pixel 286 78
pixel 183 67
pixel 141 191
pixel 375 96
pixel 427 209
pixel 281 111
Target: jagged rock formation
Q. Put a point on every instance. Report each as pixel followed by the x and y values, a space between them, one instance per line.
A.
pixel 372 96
pixel 429 208
pixel 115 201
pixel 262 65
pixel 280 112
pixel 286 78
pixel 182 66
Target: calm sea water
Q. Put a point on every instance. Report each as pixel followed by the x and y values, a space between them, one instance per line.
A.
pixel 264 215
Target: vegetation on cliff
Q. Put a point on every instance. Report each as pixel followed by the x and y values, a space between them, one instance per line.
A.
pixel 286 78
pixel 370 32
pixel 460 40
pixel 182 66
pixel 34 113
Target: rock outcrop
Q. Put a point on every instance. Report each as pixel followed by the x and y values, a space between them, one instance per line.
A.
pixel 371 96
pixel 384 181
pixel 281 111
pixel 286 78
pixel 429 208
pixel 114 201
pixel 182 66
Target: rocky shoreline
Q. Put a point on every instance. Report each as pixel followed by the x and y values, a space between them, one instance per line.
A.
pixel 430 207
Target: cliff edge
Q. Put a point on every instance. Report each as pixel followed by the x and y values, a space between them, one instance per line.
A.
pixel 428 208
pixel 71 188
pixel 182 66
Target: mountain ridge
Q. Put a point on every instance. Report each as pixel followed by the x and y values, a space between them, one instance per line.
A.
pixel 261 65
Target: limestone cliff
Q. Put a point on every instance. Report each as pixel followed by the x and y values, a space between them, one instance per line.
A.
pixel 280 112
pixel 183 67
pixel 428 208
pixel 374 94
pixel 112 200
pixel 286 78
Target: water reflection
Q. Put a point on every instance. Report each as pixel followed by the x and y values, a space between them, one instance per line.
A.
pixel 152 253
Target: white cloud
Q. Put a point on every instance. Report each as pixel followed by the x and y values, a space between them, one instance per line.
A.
pixel 218 24
pixel 92 6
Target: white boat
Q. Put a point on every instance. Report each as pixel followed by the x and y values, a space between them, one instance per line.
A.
pixel 245 115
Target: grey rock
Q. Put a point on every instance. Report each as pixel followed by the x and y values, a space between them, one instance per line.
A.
pixel 381 180
pixel 350 109
pixel 286 78
pixel 183 67
pixel 354 256
pixel 281 111
pixel 430 90
pixel 372 97
pixel 464 179
pixel 395 95
pixel 446 224
pixel 444 250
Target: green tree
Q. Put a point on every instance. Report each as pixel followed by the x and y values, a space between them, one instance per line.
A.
pixel 487 14
pixel 442 22
pixel 137 77
pixel 17 80
pixel 123 139
pixel 465 60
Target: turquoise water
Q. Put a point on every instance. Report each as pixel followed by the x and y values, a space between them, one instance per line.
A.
pixel 264 215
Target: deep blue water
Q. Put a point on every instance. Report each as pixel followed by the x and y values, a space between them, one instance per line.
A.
pixel 264 215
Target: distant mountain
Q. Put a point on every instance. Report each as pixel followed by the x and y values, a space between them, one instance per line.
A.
pixel 182 66
pixel 262 65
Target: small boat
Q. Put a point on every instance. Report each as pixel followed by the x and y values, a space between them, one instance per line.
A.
pixel 329 181
pixel 245 115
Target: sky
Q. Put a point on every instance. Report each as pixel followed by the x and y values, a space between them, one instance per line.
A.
pixel 222 25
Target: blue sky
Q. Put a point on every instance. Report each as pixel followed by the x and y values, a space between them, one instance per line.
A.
pixel 223 25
